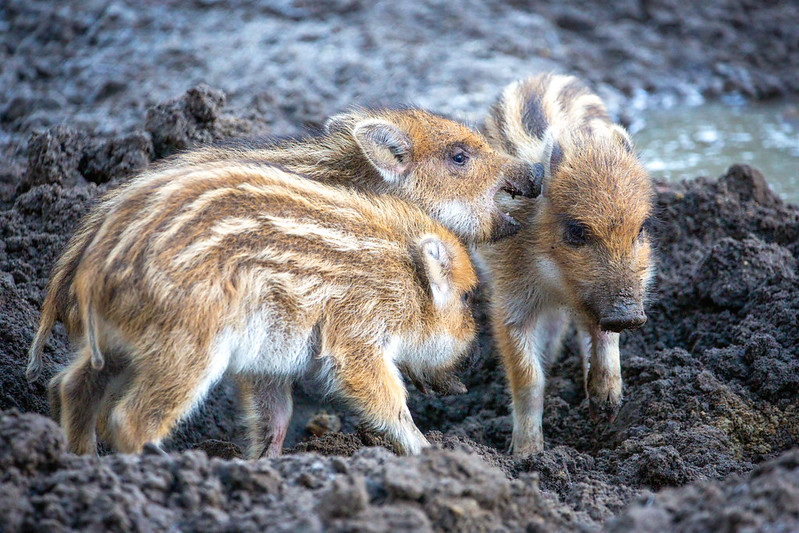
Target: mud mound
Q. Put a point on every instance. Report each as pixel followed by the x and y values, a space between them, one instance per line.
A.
pixel 711 381
pixel 371 491
pixel 767 499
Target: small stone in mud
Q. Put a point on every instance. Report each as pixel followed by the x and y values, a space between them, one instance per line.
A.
pixel 322 423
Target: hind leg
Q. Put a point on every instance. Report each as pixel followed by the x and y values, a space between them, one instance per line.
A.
pixel 268 405
pixel 165 386
pixel 117 387
pixel 79 388
pixel 54 395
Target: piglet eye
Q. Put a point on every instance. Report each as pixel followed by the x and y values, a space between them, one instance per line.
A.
pixel 646 227
pixel 468 298
pixel 576 233
pixel 460 158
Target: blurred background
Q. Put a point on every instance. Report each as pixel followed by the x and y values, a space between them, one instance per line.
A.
pixel 700 84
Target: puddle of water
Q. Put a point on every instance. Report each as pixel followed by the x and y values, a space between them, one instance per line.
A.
pixel 705 140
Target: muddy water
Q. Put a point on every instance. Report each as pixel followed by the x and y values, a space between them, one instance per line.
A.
pixel 705 140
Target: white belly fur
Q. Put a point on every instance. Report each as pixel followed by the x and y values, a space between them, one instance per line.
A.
pixel 264 346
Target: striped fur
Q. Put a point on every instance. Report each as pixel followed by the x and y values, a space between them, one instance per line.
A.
pixel 460 196
pixel 583 252
pixel 239 267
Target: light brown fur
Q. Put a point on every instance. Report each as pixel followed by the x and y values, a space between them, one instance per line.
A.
pixel 583 250
pixel 244 268
pixel 354 152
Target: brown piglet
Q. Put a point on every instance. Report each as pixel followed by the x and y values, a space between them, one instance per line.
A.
pixel 583 251
pixel 236 267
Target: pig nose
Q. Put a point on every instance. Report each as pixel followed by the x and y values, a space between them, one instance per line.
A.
pixel 525 180
pixel 535 176
pixel 623 316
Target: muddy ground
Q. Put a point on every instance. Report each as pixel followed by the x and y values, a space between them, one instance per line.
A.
pixel 706 439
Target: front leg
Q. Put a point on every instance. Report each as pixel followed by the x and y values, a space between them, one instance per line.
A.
pixel 370 381
pixel 603 384
pixel 522 360
pixel 524 352
pixel 268 405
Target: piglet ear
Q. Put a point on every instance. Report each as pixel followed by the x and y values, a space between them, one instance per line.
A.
pixel 336 123
pixel 551 158
pixel 438 265
pixel 621 136
pixel 386 146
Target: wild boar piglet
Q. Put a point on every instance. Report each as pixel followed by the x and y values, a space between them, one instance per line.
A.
pixel 440 165
pixel 583 251
pixel 448 170
pixel 242 268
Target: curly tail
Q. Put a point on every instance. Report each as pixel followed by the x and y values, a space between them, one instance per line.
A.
pixel 49 314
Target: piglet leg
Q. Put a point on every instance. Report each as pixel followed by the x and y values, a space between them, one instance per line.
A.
pixel 603 377
pixel 268 405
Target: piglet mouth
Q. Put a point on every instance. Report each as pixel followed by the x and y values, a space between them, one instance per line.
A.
pixel 505 227
pixel 512 189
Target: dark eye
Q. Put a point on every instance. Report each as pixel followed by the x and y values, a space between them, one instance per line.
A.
pixel 460 158
pixel 646 227
pixel 576 233
pixel 468 298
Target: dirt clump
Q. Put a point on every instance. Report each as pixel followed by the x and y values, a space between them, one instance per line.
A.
pixel 766 499
pixel 194 118
pixel 373 490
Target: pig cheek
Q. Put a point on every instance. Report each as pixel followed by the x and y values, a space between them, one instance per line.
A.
pixel 423 174
pixel 480 179
pixel 564 271
pixel 643 265
pixel 583 280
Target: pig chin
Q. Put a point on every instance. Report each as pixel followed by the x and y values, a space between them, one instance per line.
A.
pixel 588 317
pixel 504 226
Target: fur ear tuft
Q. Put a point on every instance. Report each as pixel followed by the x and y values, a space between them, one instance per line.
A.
pixel 386 146
pixel 621 136
pixel 337 123
pixel 438 265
